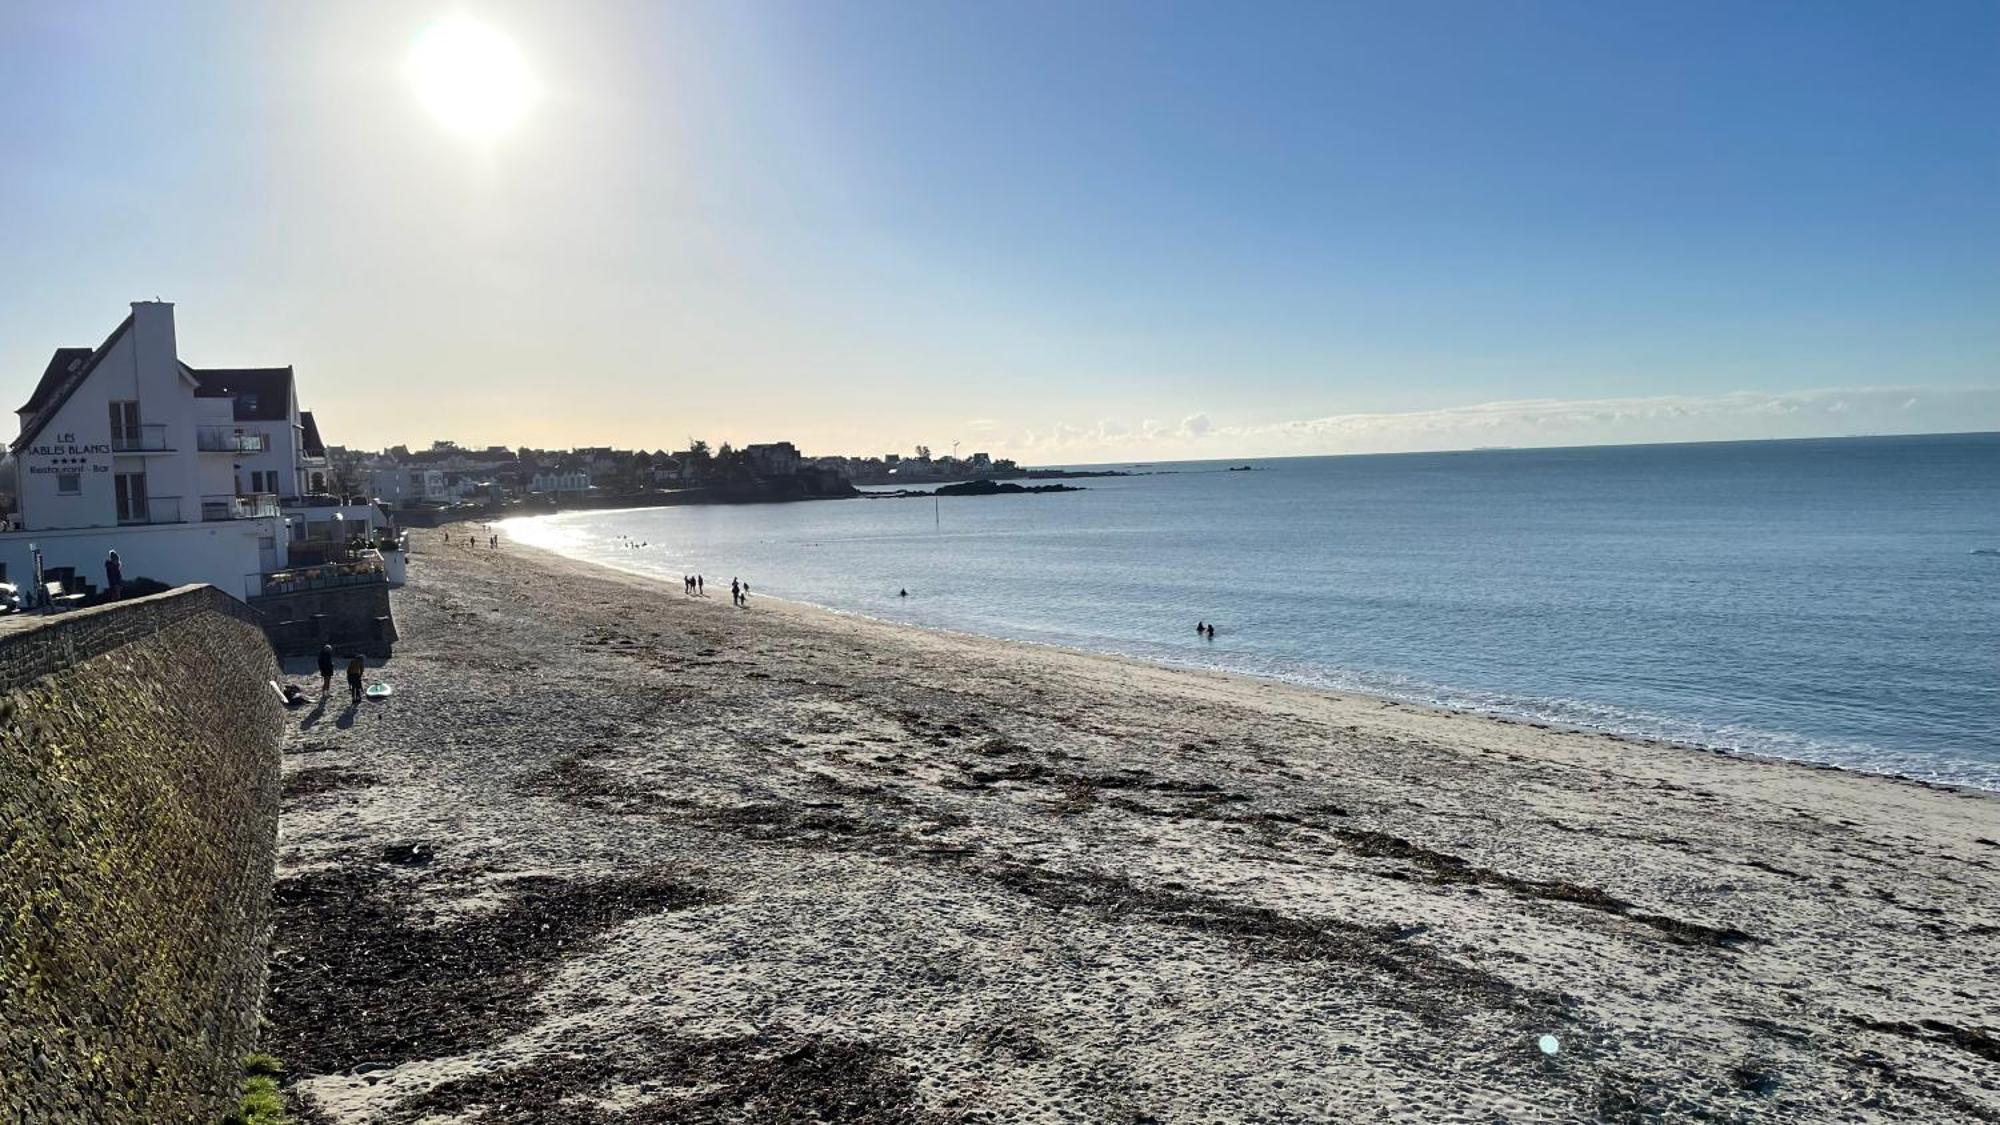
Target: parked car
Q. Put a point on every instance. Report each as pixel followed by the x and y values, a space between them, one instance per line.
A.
pixel 10 598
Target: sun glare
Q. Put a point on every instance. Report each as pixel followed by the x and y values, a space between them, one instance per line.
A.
pixel 471 77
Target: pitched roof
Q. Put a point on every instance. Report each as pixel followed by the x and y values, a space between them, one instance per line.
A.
pixel 262 394
pixel 66 372
pixel 60 365
pixel 314 447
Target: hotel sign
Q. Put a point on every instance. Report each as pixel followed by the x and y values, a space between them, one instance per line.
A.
pixel 65 454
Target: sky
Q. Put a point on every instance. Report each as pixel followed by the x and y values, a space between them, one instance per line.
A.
pixel 1060 232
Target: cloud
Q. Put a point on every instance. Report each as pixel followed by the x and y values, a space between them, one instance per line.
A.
pixel 982 425
pixel 1736 415
pixel 1196 425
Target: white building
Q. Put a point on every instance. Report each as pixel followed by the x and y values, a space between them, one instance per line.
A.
pixel 399 485
pixel 180 470
pixel 560 481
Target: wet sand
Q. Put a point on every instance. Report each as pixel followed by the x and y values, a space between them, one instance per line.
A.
pixel 612 854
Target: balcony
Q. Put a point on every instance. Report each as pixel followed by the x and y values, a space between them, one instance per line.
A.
pixel 255 506
pixel 153 509
pixel 141 439
pixel 222 439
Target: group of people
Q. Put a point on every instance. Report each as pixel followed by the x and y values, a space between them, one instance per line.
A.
pixel 1205 630
pixel 492 541
pixel 356 669
pixel 694 587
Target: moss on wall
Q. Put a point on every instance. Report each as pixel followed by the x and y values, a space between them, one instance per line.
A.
pixel 138 817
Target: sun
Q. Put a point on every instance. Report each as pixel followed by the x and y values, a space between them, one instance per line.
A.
pixel 471 77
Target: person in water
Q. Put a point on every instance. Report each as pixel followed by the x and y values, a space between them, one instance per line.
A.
pixel 356 668
pixel 903 593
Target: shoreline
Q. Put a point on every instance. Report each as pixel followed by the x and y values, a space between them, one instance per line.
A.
pixel 613 854
pixel 1530 721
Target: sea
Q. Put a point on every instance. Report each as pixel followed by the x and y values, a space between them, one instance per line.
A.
pixel 1832 601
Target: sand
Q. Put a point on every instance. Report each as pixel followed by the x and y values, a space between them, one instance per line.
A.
pixel 613 854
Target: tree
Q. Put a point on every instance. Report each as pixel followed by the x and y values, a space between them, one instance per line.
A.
pixel 923 453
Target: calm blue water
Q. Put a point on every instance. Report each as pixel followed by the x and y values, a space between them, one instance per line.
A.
pixel 1808 599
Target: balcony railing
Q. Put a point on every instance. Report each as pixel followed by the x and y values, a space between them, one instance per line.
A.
pixel 325 577
pixel 145 439
pixel 222 439
pixel 214 508
pixel 153 509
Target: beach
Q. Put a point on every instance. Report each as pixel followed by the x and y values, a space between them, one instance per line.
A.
pixel 613 854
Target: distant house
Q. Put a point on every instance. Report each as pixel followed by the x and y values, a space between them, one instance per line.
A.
pixel 665 472
pixel 407 484
pixel 560 481
pixel 772 459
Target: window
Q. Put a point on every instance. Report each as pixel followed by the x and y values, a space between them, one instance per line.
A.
pixel 263 480
pixel 124 425
pixel 69 484
pixel 131 490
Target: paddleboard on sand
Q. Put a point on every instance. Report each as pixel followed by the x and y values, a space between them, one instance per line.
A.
pixel 379 690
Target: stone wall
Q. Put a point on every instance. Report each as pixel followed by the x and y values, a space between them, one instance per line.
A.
pixel 350 618
pixel 138 818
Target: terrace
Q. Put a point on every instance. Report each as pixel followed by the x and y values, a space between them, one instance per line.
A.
pixel 326 576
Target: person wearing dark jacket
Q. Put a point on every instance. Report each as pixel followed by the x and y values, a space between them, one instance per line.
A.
pixel 355 669
pixel 325 670
pixel 114 576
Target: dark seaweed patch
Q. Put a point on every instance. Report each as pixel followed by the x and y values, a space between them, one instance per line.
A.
pixel 773 1077
pixel 358 975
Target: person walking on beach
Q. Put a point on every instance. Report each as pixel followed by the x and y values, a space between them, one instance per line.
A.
pixel 356 668
pixel 735 592
pixel 114 575
pixel 325 671
pixel 699 590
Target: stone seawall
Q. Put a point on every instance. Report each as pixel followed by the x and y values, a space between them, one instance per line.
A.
pixel 350 618
pixel 138 817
